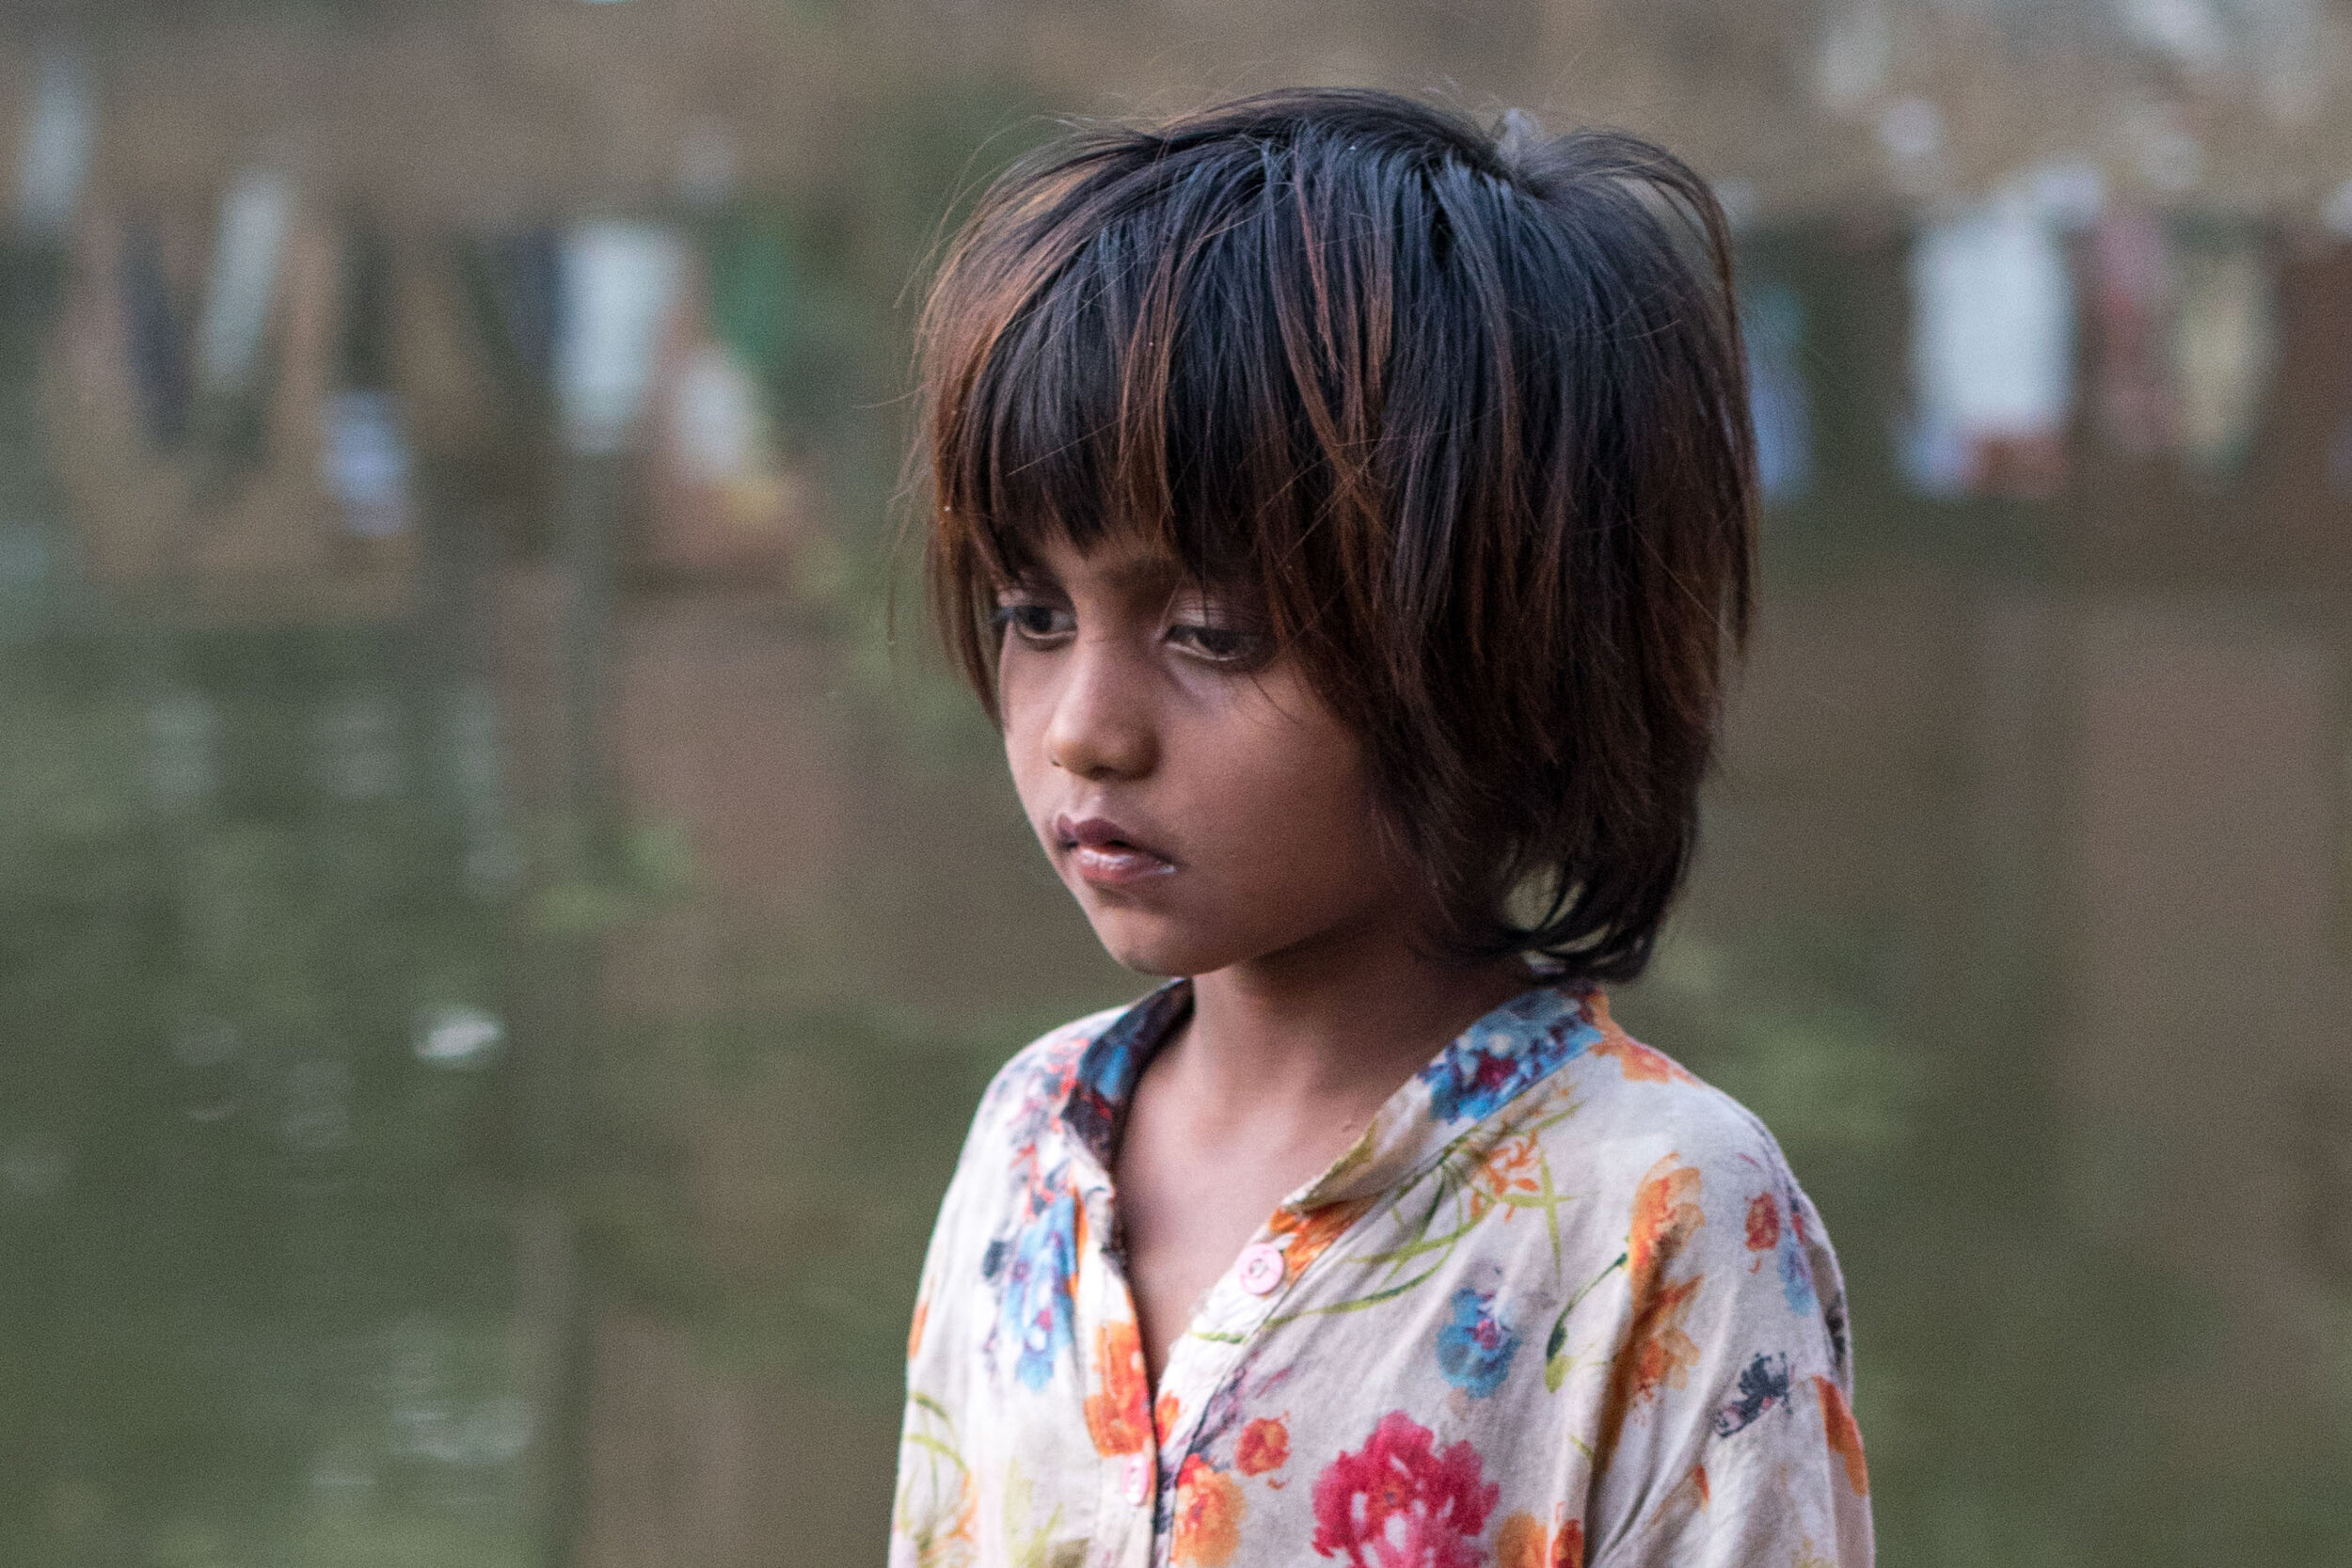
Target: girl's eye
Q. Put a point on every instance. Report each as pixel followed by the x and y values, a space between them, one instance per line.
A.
pixel 1034 623
pixel 1217 644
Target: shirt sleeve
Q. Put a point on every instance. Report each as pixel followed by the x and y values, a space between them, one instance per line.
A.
pixel 932 1522
pixel 933 1503
pixel 1740 1448
pixel 1792 1495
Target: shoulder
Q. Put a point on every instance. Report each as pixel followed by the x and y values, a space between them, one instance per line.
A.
pixel 1009 1156
pixel 1702 1195
pixel 1635 1105
pixel 1027 1093
pixel 1718 1349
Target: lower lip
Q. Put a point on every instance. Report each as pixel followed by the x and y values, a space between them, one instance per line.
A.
pixel 1110 865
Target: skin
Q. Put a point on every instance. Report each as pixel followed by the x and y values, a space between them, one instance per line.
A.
pixel 1129 694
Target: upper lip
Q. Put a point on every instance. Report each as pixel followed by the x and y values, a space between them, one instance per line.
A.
pixel 1097 832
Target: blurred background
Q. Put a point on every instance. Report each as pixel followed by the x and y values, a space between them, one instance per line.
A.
pixel 500 934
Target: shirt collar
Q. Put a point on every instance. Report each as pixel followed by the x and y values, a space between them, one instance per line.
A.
pixel 1481 1071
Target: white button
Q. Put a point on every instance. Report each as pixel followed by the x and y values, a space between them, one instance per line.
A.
pixel 1138 1478
pixel 1261 1268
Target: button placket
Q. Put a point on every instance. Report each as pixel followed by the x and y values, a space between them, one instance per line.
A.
pixel 1125 1536
pixel 1136 1483
pixel 1206 1356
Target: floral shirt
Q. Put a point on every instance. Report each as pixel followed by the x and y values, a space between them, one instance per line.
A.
pixel 1562 1303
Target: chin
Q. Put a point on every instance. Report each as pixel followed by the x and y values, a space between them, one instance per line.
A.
pixel 1157 946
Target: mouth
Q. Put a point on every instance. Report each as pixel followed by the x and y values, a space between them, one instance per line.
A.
pixel 1100 852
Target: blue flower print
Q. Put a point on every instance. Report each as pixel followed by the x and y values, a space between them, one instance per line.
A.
pixel 1474 1351
pixel 1032 1278
pixel 1763 1384
pixel 1796 1276
pixel 1487 1068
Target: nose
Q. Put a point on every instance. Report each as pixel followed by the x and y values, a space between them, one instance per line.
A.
pixel 1101 724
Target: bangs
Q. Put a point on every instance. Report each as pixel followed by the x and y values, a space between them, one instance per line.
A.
pixel 1135 379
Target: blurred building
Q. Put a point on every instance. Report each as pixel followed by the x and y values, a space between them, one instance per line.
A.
pixel 2043 757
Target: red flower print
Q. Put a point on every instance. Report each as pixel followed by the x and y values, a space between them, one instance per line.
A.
pixel 1845 1438
pixel 1399 1504
pixel 1265 1445
pixel 1763 1223
pixel 1118 1418
pixel 1163 1416
pixel 1638 1062
pixel 1209 1507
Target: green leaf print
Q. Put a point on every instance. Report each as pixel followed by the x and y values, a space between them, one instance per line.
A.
pixel 1555 1358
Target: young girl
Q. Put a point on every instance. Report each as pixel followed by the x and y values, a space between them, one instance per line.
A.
pixel 1347 515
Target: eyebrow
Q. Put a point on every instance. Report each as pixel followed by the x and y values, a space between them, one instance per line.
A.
pixel 1146 574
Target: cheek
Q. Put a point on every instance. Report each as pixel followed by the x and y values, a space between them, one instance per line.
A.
pixel 1022 719
pixel 1296 798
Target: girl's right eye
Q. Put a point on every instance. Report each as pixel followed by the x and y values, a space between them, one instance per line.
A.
pixel 1035 623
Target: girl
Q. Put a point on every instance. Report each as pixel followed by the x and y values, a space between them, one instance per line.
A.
pixel 1346 516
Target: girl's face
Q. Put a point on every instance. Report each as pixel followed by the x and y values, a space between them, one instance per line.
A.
pixel 1199 800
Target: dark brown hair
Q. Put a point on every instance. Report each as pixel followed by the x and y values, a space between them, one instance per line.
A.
pixel 1461 413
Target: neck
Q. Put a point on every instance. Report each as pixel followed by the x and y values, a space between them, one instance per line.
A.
pixel 1343 1021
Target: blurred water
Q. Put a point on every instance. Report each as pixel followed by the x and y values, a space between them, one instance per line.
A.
pixel 498 947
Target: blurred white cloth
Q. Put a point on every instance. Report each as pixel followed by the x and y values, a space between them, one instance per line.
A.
pixel 249 250
pixel 1991 352
pixel 620 282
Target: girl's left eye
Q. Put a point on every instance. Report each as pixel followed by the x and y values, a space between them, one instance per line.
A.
pixel 1217 644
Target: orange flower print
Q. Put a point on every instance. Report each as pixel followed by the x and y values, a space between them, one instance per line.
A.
pixel 1119 1417
pixel 1656 1353
pixel 963 1529
pixel 1265 1445
pixel 1845 1438
pixel 1666 1214
pixel 1209 1508
pixel 1638 1062
pixel 1763 1223
pixel 1311 1230
pixel 1163 1416
pixel 1522 1542
pixel 1660 1353
pixel 915 1334
pixel 1508 1169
